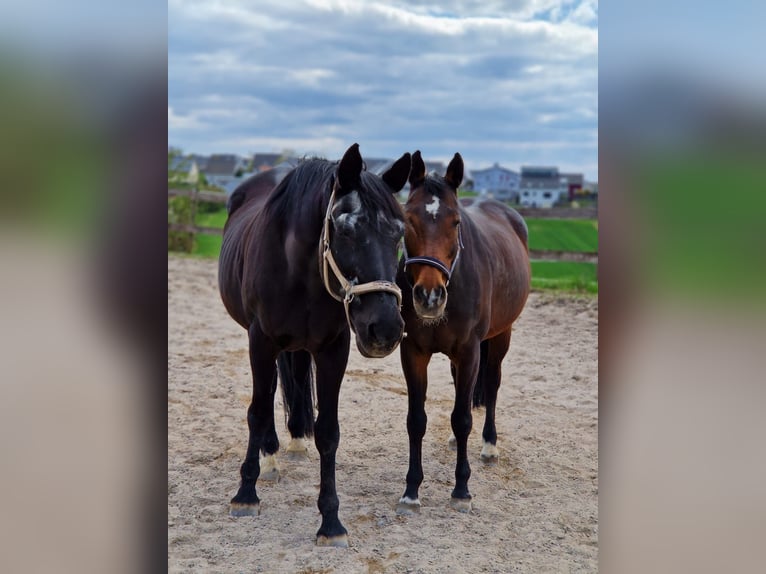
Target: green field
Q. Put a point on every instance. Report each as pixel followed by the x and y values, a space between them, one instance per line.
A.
pixel 545 234
pixel 580 235
pixel 565 275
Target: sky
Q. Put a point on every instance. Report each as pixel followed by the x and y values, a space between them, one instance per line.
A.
pixel 512 82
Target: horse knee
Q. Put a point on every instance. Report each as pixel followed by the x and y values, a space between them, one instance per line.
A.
pixel 326 437
pixel 461 423
pixel 416 424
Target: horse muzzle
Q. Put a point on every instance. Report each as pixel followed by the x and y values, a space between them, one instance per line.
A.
pixel 378 333
pixel 429 304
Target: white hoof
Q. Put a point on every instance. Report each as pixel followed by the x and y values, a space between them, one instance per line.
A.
pixel 269 468
pixel 489 453
pixel 340 541
pixel 238 509
pixel 297 449
pixel 461 504
pixel 407 506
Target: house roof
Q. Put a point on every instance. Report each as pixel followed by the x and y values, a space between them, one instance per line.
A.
pixel 200 159
pixel 539 171
pixel 180 163
pixel 223 164
pixel 496 167
pixel 573 178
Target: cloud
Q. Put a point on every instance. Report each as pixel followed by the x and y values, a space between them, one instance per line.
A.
pixel 178 122
pixel 467 76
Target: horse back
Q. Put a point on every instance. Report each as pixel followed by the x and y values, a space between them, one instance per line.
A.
pixel 502 255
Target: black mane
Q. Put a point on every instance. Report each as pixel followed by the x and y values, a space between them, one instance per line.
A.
pixel 309 186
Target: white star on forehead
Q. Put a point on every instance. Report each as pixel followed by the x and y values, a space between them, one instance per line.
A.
pixel 433 207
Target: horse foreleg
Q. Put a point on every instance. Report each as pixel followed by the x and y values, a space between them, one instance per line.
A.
pixel 467 367
pixel 330 365
pixel 260 418
pixel 415 367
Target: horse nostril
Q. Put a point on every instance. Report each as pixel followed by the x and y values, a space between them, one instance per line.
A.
pixel 442 292
pixel 420 293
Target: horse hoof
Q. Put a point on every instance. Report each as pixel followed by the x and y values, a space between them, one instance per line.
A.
pixel 271 475
pixel 461 504
pixel 297 456
pixel 407 506
pixel 489 454
pixel 269 468
pixel 240 509
pixel 452 442
pixel 297 449
pixel 339 541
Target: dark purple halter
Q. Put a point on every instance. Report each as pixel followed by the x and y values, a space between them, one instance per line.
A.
pixel 433 261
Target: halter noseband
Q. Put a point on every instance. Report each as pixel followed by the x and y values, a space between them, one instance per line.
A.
pixel 433 261
pixel 347 290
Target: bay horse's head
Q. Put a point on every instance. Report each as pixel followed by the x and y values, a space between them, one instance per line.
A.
pixel 432 237
pixel 363 227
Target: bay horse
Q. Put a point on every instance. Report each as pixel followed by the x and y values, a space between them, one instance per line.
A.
pixel 303 263
pixel 465 277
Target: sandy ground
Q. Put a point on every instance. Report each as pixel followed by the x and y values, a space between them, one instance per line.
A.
pixel 535 511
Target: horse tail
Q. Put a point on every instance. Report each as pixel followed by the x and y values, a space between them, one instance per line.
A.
pixel 479 399
pixel 297 378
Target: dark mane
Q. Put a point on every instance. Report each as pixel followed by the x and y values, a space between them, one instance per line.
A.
pixel 309 184
pixel 377 197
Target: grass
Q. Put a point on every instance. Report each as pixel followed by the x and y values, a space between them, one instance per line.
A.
pixel 565 275
pixel 564 235
pixel 578 235
pixel 214 219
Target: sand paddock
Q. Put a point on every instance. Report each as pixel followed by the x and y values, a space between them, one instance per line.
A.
pixel 535 511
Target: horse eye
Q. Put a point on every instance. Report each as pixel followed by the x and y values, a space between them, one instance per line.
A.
pixel 456 223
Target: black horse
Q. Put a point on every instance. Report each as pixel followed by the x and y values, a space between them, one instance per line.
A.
pixel 301 263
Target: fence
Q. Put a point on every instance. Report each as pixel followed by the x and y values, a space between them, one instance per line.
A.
pixel 196 196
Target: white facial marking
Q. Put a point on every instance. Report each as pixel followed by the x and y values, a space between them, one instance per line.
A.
pixel 433 297
pixel 433 207
pixel 349 218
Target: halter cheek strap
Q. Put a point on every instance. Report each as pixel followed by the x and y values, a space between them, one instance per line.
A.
pixel 347 290
pixel 433 261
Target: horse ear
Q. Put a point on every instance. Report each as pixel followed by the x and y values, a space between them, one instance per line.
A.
pixel 418 171
pixel 349 170
pixel 454 175
pixel 396 175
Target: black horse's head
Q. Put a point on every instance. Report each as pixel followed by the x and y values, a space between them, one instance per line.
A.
pixel 366 224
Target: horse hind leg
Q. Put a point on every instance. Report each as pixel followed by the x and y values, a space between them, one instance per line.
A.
pixel 452 441
pixel 297 379
pixel 269 464
pixel 489 379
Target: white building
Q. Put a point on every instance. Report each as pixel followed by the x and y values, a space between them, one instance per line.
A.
pixel 496 181
pixel 542 187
